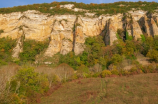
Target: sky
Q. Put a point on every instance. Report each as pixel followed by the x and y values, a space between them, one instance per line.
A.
pixel 11 3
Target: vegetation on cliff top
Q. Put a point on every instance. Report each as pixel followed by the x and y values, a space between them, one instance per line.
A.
pixel 99 9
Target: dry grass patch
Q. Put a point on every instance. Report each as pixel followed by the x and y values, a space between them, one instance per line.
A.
pixel 137 89
pixel 63 71
pixel 6 73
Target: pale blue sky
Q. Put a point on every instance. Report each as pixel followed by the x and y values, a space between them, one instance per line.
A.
pixel 11 3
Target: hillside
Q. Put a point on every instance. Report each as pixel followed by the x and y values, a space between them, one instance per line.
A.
pixel 126 90
pixel 43 46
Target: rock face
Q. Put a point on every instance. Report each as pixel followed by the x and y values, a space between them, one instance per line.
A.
pixel 154 27
pixel 136 30
pixel 147 26
pixel 110 36
pixel 18 48
pixel 61 35
pixel 68 32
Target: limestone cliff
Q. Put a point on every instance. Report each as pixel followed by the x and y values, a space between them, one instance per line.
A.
pixel 68 32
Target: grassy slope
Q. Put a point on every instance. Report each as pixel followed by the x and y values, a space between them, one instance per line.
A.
pixel 137 89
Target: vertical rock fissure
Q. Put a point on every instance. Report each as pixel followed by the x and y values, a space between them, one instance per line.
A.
pixel 124 21
pixel 141 23
pixel 103 32
pixel 106 37
pixel 74 34
pixel 150 27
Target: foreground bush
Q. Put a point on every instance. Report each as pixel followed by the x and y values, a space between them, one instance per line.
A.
pixel 26 86
pixel 105 73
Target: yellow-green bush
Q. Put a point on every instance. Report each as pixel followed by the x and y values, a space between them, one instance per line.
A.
pixel 73 77
pixel 96 74
pixel 115 72
pixel 29 84
pixel 55 79
pixel 133 70
pixel 83 71
pixel 124 72
pixel 149 69
pixel 105 73
pixel 6 47
pixel 31 48
pixel 12 98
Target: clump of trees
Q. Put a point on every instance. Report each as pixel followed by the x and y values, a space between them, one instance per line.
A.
pixel 151 48
pixel 6 47
pixel 31 48
pixel 96 52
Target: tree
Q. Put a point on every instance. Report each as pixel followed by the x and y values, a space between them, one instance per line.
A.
pixel 153 54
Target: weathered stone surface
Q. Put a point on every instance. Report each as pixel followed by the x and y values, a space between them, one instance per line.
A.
pixel 79 48
pixel 54 45
pixel 110 36
pixel 66 47
pixel 154 27
pixel 68 6
pixel 147 26
pixel 137 14
pixel 18 48
pixel 61 35
pixel 137 32
pixel 69 32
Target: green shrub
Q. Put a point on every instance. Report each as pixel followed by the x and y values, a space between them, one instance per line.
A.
pixel 156 68
pixel 28 83
pixel 12 98
pixel 145 70
pixel 116 59
pixel 73 77
pixel 128 37
pixel 83 69
pixel 149 69
pixel 1 31
pixel 153 54
pixel 124 72
pixel 105 73
pixel 142 38
pixel 96 74
pixel 6 47
pixel 135 70
pixel 2 63
pixel 114 72
pixel 31 48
